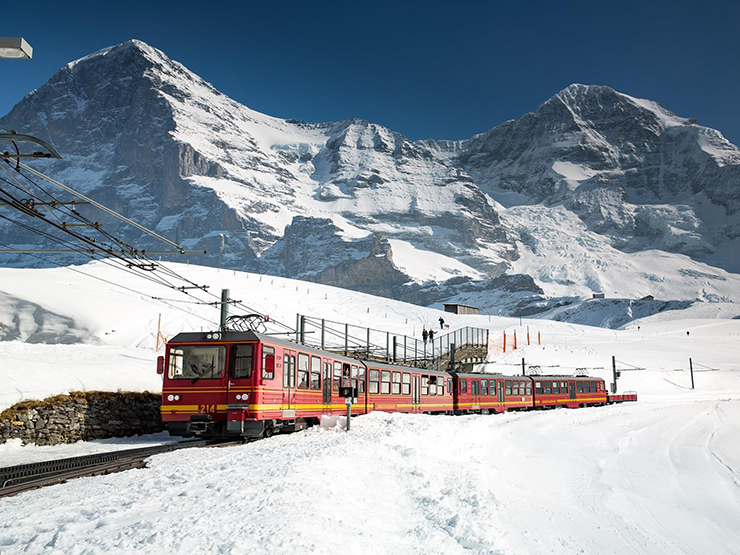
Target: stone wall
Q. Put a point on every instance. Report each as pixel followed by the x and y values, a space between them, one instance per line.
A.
pixel 82 416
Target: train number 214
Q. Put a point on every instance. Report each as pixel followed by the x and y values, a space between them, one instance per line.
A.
pixel 206 408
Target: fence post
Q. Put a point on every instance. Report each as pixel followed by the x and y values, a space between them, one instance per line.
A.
pixel 368 342
pixel 303 330
pixel 346 339
pixel 524 372
pixel 323 329
pixel 691 367
pixel 404 349
pixel 297 326
pixel 515 340
pixel 395 348
pixel 504 341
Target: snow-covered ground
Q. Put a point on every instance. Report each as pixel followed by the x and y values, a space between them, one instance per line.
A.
pixel 658 476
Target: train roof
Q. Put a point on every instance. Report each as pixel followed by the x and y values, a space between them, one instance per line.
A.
pixel 244 336
pixel 565 377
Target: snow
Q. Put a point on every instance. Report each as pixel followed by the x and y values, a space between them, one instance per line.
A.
pixel 13 452
pixel 424 265
pixel 657 476
pixel 666 118
pixel 571 171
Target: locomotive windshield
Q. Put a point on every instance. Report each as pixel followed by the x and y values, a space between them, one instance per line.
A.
pixel 196 362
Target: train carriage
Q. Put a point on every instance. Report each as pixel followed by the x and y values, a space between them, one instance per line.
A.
pixel 491 393
pixel 394 388
pixel 568 391
pixel 250 384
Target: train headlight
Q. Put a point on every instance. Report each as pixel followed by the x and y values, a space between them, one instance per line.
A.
pixel 238 397
pixel 177 397
pixel 215 336
pixel 170 397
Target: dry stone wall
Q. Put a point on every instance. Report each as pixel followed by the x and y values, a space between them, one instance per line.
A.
pixel 82 416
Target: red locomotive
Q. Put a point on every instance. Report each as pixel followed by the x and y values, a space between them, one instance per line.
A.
pixel 251 385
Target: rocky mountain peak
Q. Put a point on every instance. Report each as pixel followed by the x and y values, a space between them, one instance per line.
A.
pixel 355 204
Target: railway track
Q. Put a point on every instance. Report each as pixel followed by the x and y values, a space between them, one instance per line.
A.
pixel 24 477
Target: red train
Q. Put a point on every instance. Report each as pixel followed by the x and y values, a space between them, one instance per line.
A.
pixel 252 385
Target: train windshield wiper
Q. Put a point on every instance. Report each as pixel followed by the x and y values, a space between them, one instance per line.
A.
pixel 208 368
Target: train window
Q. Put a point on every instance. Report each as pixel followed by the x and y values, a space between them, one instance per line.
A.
pixel 508 387
pixel 315 373
pixel 449 385
pixel 528 389
pixel 241 365
pixel 441 387
pixel 385 382
pixel 196 362
pixel 548 388
pixel 515 388
pixel 463 386
pixel 593 387
pixel 433 385
pixel 587 387
pixel 564 388
pixel 396 383
pixel 337 375
pixel 484 387
pixel 302 371
pixel 268 363
pixel 492 387
pixel 406 385
pixel 475 387
pixel 538 387
pixel 579 387
pixel 425 385
pixel 556 388
pixel 361 380
pixel 286 370
pixel 374 381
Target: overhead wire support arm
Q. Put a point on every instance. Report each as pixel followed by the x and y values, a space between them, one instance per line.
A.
pixel 102 207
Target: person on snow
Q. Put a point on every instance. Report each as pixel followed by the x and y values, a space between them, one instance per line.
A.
pixel 425 335
pixel 441 323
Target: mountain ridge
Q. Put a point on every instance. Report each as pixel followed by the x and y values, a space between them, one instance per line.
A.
pixel 163 146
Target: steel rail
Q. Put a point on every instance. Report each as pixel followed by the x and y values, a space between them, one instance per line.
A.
pixel 24 477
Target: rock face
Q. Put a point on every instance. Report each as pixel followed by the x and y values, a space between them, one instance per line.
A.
pixel 357 205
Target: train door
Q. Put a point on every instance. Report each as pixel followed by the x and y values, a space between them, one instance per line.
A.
pixel 289 384
pixel 415 397
pixel 326 386
pixel 239 382
pixel 572 390
pixel 501 399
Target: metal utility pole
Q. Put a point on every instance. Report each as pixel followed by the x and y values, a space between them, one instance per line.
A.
pixel 524 372
pixel 614 374
pixel 691 368
pixel 224 307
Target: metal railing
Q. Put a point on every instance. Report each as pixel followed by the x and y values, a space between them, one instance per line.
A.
pixel 373 344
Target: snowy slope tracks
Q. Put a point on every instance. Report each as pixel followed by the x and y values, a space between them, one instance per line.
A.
pixel 629 479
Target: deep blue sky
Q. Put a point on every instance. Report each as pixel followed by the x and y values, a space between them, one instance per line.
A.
pixel 426 69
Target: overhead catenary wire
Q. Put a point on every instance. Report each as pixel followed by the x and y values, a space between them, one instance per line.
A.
pixel 130 289
pixel 92 246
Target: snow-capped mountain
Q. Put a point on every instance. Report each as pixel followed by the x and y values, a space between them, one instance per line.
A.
pixel 560 203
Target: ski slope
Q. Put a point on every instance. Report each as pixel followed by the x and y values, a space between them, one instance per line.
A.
pixel 658 476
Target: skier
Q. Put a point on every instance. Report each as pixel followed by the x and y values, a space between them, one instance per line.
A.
pixel 441 323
